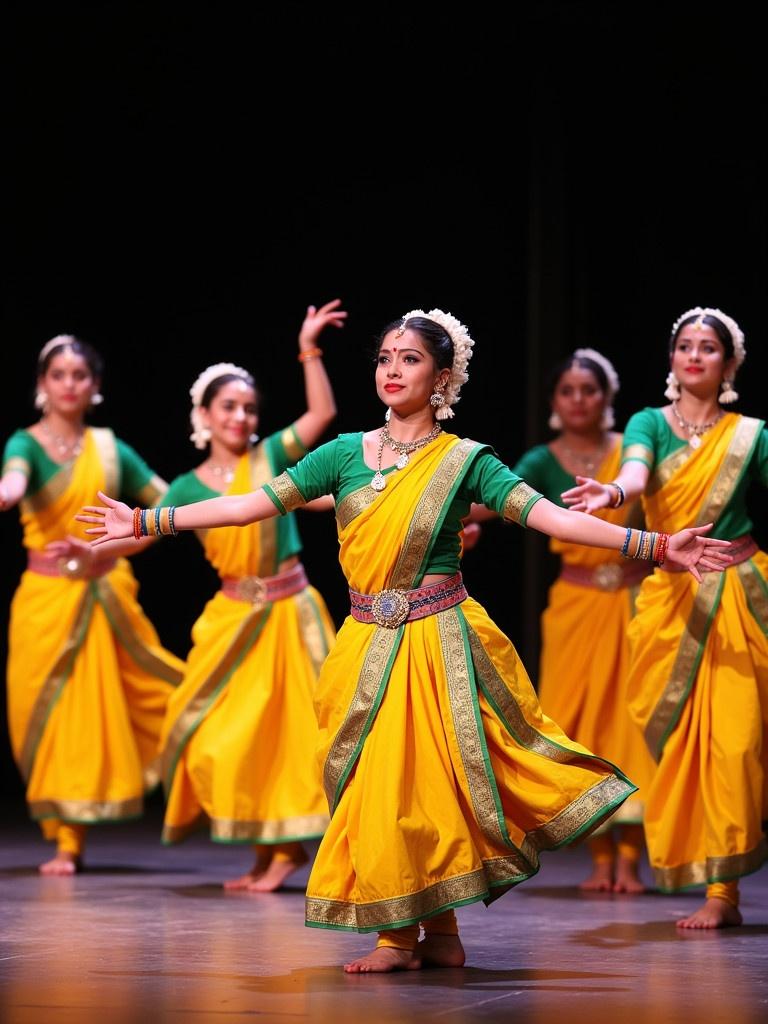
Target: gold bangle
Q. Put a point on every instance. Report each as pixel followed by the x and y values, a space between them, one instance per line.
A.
pixel 309 353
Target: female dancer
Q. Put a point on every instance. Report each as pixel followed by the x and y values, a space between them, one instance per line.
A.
pixel 584 650
pixel 444 778
pixel 88 680
pixel 698 681
pixel 240 733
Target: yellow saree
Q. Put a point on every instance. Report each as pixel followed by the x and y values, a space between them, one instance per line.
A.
pixel 88 680
pixel 585 654
pixel 444 778
pixel 240 733
pixel 698 684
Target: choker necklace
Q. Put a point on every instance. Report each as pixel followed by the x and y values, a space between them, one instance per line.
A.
pixel 65 448
pixel 696 429
pixel 589 462
pixel 227 473
pixel 403 449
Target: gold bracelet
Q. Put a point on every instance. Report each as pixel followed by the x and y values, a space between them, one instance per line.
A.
pixel 309 353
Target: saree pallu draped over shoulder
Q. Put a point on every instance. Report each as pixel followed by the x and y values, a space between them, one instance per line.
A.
pixel 444 778
pixel 240 733
pixel 698 685
pixel 88 680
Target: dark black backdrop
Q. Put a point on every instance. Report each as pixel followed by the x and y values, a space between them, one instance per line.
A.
pixel 183 179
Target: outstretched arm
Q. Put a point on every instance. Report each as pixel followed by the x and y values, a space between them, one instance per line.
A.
pixel 590 495
pixel 688 549
pixel 13 487
pixel 321 405
pixel 114 519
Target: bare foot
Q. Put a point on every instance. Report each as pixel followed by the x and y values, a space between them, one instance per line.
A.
pixel 244 881
pixel 627 877
pixel 601 879
pixel 715 913
pixel 382 960
pixel 439 951
pixel 62 864
pixel 275 874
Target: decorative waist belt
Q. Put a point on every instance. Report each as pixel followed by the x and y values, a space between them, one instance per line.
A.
pixel 608 576
pixel 740 550
pixel 391 608
pixel 74 568
pixel 261 590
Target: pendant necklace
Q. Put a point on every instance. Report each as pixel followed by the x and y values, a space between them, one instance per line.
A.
pixel 227 473
pixel 66 449
pixel 695 430
pixel 402 448
pixel 588 461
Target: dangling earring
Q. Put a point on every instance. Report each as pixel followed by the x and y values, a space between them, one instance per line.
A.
pixel 253 438
pixel 673 387
pixel 608 420
pixel 554 421
pixel 437 398
pixel 97 398
pixel 727 395
pixel 387 415
pixel 41 399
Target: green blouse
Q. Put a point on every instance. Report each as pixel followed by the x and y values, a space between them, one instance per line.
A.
pixel 338 468
pixel 283 449
pixel 30 457
pixel 539 468
pixel 650 429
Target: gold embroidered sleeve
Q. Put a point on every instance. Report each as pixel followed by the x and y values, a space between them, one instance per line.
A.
pixel 17 465
pixel 284 493
pixel 151 493
pixel 294 449
pixel 519 503
pixel 637 453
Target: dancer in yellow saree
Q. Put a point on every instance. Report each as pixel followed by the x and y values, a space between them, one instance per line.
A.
pixel 444 778
pixel 88 680
pixel 584 660
pixel 698 682
pixel 240 733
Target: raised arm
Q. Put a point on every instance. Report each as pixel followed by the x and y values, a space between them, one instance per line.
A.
pixel 321 404
pixel 114 520
pixel 687 549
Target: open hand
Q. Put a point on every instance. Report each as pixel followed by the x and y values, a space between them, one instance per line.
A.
pixel 317 320
pixel 113 519
pixel 691 550
pixel 589 495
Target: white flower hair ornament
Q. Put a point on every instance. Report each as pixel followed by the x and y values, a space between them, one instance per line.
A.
pixel 462 353
pixel 612 377
pixel 201 435
pixel 736 333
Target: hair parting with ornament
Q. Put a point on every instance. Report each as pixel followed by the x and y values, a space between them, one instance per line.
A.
pixel 201 398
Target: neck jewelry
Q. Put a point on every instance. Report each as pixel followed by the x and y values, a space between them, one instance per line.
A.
pixel 227 473
pixel 695 429
pixel 403 449
pixel 588 461
pixel 65 448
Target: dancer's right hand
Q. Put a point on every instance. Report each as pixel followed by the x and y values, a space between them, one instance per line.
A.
pixel 588 496
pixel 113 519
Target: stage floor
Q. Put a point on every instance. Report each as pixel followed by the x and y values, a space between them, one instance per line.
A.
pixel 147 935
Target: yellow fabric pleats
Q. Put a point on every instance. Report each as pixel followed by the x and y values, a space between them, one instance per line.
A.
pixel 698 682
pixel 88 680
pixel 445 778
pixel 585 658
pixel 239 739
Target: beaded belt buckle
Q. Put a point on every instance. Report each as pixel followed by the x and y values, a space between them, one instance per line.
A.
pixel 252 589
pixel 73 568
pixel 390 608
pixel 608 577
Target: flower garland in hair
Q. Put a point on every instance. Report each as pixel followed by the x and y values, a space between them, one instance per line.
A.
pixel 200 436
pixel 612 377
pixel 462 353
pixel 60 339
pixel 736 333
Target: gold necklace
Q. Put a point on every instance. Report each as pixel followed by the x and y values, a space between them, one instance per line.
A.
pixel 589 462
pixel 67 449
pixel 696 429
pixel 402 448
pixel 227 473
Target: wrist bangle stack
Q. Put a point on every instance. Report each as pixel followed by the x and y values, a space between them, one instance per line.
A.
pixel 154 522
pixel 620 495
pixel 647 545
pixel 309 353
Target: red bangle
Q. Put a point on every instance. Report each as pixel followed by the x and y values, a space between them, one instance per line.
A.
pixel 137 523
pixel 309 353
pixel 661 551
